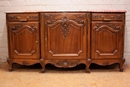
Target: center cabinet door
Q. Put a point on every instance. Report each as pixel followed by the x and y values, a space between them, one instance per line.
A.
pixel 65 35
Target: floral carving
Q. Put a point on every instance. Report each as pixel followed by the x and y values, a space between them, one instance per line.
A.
pixel 114 17
pixel 97 17
pixel 115 27
pixel 65 26
pixel 32 27
pixel 27 17
pixel 65 63
pixel 16 27
pixel 78 21
pixel 64 22
pixel 13 18
pixel 51 21
pixel 47 16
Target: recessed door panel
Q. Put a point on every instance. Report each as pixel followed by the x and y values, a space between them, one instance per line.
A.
pixel 107 40
pixel 24 40
pixel 65 35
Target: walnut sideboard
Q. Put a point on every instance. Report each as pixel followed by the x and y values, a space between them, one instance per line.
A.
pixel 66 39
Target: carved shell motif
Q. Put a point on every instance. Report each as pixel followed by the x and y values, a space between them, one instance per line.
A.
pixel 65 63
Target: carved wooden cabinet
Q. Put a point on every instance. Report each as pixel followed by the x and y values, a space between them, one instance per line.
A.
pixel 107 38
pixel 23 38
pixel 66 39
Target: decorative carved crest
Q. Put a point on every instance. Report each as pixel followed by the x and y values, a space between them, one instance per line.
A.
pixel 16 27
pixel 113 26
pixel 64 22
pixel 65 26
pixel 65 63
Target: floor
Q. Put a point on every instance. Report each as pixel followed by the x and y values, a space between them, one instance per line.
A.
pixel 30 76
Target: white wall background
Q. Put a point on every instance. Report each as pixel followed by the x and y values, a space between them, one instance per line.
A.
pixel 61 5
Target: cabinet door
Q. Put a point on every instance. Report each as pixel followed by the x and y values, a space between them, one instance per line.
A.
pixel 23 39
pixel 65 35
pixel 107 40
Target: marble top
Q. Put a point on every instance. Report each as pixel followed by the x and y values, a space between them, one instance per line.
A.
pixel 68 11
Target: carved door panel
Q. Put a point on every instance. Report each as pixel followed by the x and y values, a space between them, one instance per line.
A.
pixel 24 39
pixel 65 35
pixel 107 40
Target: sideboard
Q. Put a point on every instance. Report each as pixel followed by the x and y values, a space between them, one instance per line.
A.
pixel 66 39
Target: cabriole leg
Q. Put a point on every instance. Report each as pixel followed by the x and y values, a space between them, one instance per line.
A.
pixel 121 65
pixel 87 66
pixel 10 65
pixel 42 62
